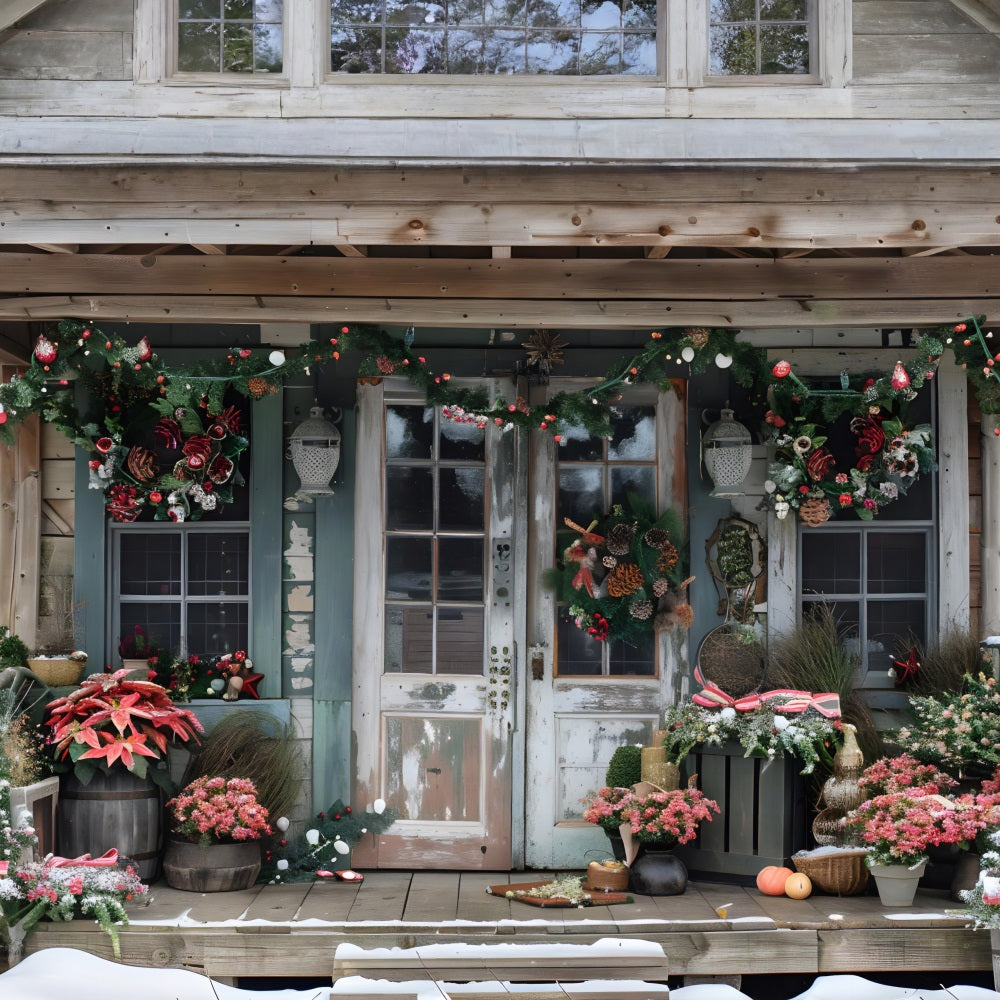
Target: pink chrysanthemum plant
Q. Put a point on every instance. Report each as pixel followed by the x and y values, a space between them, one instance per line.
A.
pixel 666 819
pixel 898 827
pixel 110 721
pixel 904 773
pixel 218 810
pixel 606 808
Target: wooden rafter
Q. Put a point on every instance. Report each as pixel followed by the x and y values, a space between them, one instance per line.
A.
pixel 12 11
pixel 985 13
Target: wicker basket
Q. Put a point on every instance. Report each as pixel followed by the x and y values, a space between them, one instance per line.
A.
pixel 57 671
pixel 841 874
pixel 601 879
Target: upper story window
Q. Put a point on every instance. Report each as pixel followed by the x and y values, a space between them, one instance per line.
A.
pixel 229 36
pixel 760 37
pixel 494 37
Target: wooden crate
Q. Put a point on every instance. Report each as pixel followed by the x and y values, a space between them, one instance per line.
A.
pixel 763 816
pixel 40 800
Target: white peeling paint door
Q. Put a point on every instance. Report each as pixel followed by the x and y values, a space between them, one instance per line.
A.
pixel 584 698
pixel 434 654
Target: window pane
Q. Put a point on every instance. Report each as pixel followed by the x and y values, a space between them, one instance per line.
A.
pixel 505 12
pixel 581 494
pixel 462 499
pixel 411 12
pixel 198 48
pixel 267 48
pixel 238 9
pixel 356 51
pixel 464 50
pixel 639 53
pixel 408 568
pixel 553 52
pixel 549 13
pixel 847 615
pixel 897 563
pixel 237 48
pixel 634 437
pixel 466 12
pixel 150 564
pixel 460 637
pixel 733 10
pixel 626 660
pixel 217 628
pixel 732 51
pixel 600 53
pixel 196 9
pixel 408 640
pixel 409 498
pixel 409 431
pixel 504 52
pixel 633 479
pixel 415 51
pixel 784 48
pixel 268 11
pixel 356 11
pixel 601 14
pixel 218 564
pixel 831 562
pixel 640 14
pixel 893 626
pixel 783 10
pixel 460 569
pixel 159 622
pixel 461 442
pixel 579 655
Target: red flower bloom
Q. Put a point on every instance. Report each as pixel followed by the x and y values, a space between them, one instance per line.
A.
pixel 820 464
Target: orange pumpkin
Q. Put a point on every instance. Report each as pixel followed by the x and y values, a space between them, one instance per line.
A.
pixel 798 886
pixel 771 880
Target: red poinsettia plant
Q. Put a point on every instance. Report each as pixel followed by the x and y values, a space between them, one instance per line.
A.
pixel 214 809
pixel 110 721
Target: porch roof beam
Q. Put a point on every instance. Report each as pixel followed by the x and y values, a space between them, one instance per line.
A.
pixel 720 279
pixel 509 313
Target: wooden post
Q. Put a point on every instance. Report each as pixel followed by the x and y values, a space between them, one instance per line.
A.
pixel 990 615
pixel 953 480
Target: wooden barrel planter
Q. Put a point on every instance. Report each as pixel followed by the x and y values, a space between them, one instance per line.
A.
pixel 116 810
pixel 215 868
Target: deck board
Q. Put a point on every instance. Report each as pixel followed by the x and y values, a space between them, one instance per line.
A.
pixel 294 930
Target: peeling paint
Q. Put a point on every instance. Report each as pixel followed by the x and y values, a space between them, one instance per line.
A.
pixel 300 663
pixel 298 636
pixel 300 598
pixel 301 683
pixel 298 568
pixel 299 541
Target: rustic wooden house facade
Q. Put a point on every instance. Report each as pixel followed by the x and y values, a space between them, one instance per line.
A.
pixel 811 173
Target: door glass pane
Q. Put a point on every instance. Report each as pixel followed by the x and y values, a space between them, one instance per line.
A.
pixel 581 494
pixel 626 479
pixel 460 569
pixel 409 431
pixel 578 446
pixel 831 562
pixel 626 660
pixel 409 498
pixel 460 635
pixel 579 655
pixel 409 635
pixel 150 564
pixel 897 562
pixel 463 492
pixel 218 564
pixel 409 568
pixel 462 442
pixel 433 768
pixel 634 437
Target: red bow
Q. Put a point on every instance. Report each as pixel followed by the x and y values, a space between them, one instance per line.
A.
pixel 790 701
pixel 107 860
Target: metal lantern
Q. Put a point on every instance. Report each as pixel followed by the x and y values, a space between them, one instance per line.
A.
pixel 727 454
pixel 315 453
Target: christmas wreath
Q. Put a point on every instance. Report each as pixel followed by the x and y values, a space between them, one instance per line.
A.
pixel 889 456
pixel 624 577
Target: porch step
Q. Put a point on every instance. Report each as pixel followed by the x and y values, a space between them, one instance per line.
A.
pixel 627 962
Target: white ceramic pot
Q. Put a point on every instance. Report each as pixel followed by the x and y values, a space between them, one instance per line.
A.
pixel 897 884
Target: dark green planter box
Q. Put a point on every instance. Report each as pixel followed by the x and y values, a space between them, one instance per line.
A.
pixel 763 817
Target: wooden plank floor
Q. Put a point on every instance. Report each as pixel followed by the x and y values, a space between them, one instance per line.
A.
pixel 293 930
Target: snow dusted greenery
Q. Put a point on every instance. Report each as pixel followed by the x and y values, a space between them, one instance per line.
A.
pixel 956 730
pixel 762 732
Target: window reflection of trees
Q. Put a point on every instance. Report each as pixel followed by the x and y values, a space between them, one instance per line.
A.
pixel 232 36
pixel 759 37
pixel 494 37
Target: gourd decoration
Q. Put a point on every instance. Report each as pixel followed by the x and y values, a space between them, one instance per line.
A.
pixel 798 886
pixel 771 880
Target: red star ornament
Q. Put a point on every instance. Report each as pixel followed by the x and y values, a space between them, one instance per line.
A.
pixel 903 670
pixel 250 683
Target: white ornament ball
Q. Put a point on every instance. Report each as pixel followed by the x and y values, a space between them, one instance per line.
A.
pixel 723 360
pixel 688 354
pixel 728 712
pixel 276 358
pixel 378 806
pixel 282 865
pixel 341 847
pixel 312 837
pixel 780 722
pixel 282 823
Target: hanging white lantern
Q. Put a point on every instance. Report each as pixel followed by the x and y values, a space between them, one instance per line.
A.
pixel 727 454
pixel 314 447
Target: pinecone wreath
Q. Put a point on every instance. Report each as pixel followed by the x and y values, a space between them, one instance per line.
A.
pixel 815 511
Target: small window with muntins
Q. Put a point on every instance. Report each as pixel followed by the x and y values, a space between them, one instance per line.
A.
pixel 230 36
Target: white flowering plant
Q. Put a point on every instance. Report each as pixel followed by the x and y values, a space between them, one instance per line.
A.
pixel 764 731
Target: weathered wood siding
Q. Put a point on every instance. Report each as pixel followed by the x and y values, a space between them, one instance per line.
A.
pixel 911 59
